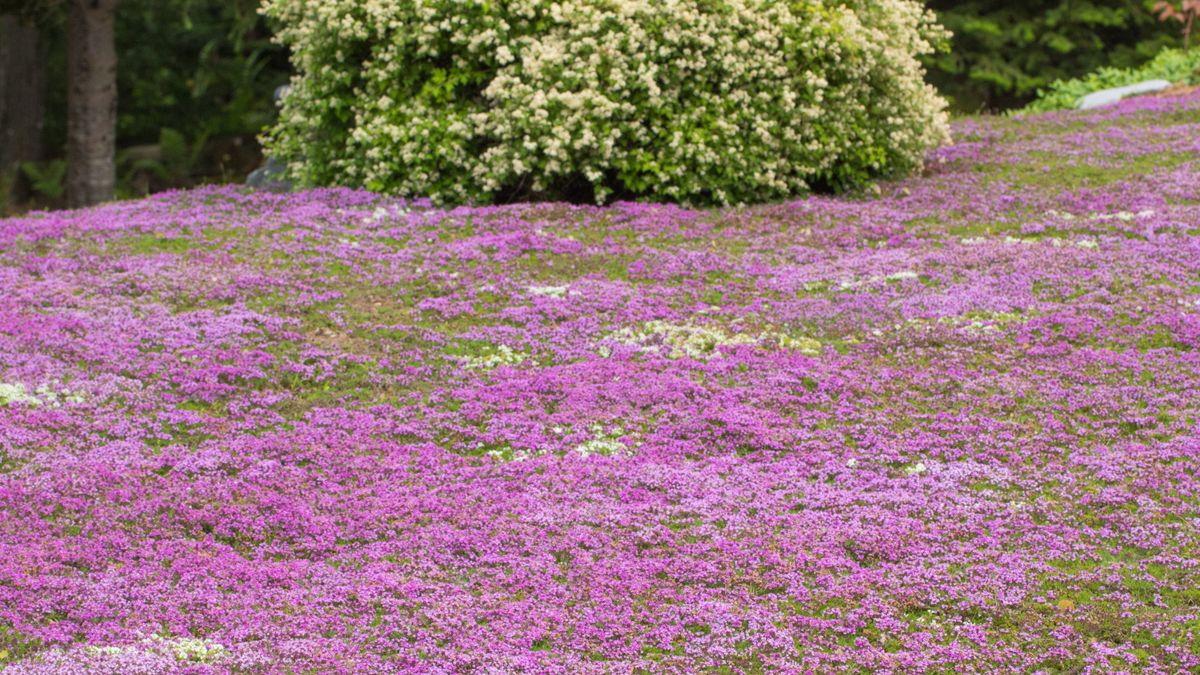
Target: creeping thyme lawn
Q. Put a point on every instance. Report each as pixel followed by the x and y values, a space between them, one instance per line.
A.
pixel 951 427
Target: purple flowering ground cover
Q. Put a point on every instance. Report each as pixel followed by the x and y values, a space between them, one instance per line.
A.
pixel 950 428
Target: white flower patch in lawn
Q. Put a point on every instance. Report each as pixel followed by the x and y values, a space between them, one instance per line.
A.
pixel 556 292
pixel 194 650
pixel 1086 242
pixel 1061 215
pixel 973 323
pixel 985 322
pixel 60 397
pixel 490 357
pixel 603 442
pixel 16 393
pixel 108 650
pixel 805 345
pixel 902 275
pixel 1021 241
pixel 677 341
pixel 149 651
pixel 1122 216
pixel 979 241
pixel 377 215
pixel 978 327
pixel 1008 239
pixel 505 452
pixel 45 395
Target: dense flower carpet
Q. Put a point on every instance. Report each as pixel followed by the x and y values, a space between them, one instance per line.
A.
pixel 949 427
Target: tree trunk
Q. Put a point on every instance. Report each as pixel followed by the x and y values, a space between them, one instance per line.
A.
pixel 22 92
pixel 91 101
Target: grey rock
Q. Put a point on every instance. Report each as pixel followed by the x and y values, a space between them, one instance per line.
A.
pixel 270 177
pixel 1099 99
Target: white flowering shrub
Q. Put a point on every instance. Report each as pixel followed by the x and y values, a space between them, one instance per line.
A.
pixel 696 101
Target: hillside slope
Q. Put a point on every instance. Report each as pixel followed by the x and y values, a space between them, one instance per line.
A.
pixel 950 428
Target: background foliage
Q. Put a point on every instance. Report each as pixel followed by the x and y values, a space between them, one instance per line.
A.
pixel 1172 65
pixel 195 80
pixel 1004 52
pixel 196 76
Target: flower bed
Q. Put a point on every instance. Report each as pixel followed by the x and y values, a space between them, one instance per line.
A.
pixel 950 428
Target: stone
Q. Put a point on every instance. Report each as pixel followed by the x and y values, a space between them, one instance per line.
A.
pixel 271 175
pixel 1099 99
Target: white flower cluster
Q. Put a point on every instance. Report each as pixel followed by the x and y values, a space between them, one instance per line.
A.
pixel 685 100
pixel 491 359
pixel 676 341
pixel 805 345
pixel 606 442
pixel 973 322
pixel 16 393
pixel 556 292
pixel 43 395
pixel 195 650
pixel 902 275
pixel 702 343
pixel 183 649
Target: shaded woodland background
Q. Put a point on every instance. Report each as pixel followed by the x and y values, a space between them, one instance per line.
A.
pixel 194 83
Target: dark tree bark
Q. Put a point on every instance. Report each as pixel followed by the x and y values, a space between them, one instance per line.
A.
pixel 22 92
pixel 91 101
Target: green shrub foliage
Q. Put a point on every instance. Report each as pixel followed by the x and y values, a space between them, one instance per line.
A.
pixel 695 101
pixel 1172 65
pixel 1004 52
pixel 207 68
